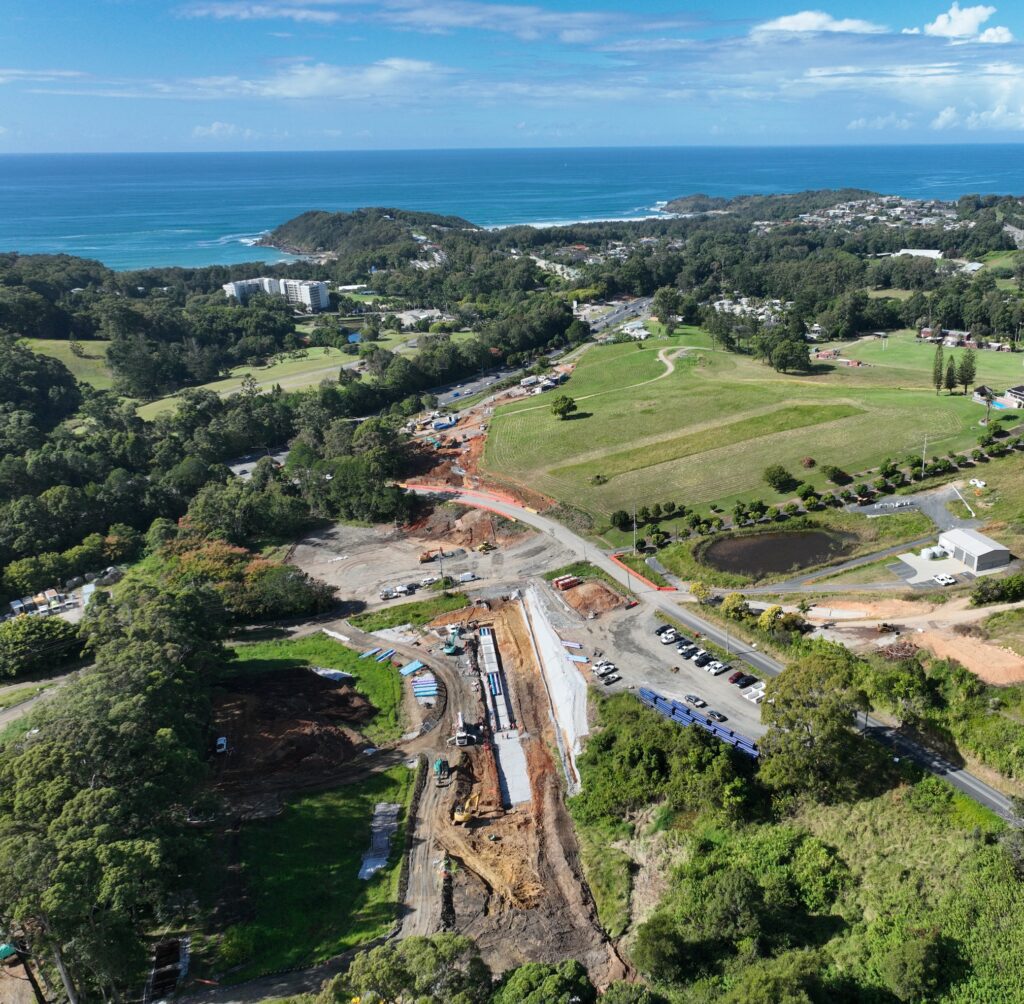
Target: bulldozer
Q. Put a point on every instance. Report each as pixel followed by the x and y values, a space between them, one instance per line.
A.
pixel 463 813
pixel 485 547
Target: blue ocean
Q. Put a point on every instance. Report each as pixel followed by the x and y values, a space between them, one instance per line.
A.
pixel 138 210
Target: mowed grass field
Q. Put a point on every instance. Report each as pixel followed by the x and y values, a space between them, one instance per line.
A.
pixel 92 369
pixel 705 432
pixel 319 363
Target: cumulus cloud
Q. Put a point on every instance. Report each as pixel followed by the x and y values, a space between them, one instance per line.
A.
pixel 222 130
pixel 807 21
pixel 946 119
pixel 963 24
pixel 880 123
pixel 999 117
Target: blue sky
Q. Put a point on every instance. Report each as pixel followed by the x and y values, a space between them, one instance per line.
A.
pixel 126 75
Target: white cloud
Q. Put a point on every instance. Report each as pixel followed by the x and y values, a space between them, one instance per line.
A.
pixel 996 36
pixel 10 76
pixel 818 21
pixel 959 22
pixel 963 24
pixel 881 123
pixel 386 79
pixel 999 117
pixel 236 10
pixel 946 119
pixel 222 130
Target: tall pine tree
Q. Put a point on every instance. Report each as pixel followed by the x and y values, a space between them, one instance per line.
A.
pixel 938 370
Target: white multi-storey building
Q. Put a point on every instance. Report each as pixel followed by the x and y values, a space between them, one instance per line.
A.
pixel 307 293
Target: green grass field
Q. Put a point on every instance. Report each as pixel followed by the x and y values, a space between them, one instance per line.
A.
pixel 300 870
pixel 417 613
pixel 380 684
pixel 292 374
pixel 91 369
pixel 705 432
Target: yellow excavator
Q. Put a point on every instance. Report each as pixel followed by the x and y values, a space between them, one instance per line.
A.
pixel 462 814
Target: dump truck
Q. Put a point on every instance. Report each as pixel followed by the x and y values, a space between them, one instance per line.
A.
pixel 442 772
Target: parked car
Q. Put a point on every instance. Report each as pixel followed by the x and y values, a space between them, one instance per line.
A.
pixel 668 637
pixel 696 654
pixel 976 483
pixel 614 678
pixel 697 702
pixel 683 640
pixel 687 651
pixel 429 580
pixel 661 629
pixel 945 580
pixel 717 669
pixel 702 660
pixel 717 716
pixel 607 670
pixel 746 680
pixel 733 677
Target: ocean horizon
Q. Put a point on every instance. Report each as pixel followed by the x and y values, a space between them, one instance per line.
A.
pixel 140 210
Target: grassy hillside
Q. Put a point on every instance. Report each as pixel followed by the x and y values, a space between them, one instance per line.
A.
pixel 92 368
pixel 705 431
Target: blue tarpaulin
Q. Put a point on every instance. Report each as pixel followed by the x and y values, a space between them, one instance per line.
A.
pixel 385 655
pixel 369 652
pixel 411 668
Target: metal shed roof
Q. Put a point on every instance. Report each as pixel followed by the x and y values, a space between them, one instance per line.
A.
pixel 971 542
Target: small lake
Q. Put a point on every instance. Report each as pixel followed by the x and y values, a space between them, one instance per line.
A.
pixel 761 554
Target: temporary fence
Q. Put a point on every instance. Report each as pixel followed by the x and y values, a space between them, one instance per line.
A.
pixel 681 714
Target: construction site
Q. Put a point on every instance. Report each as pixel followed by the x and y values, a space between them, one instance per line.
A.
pixel 499 858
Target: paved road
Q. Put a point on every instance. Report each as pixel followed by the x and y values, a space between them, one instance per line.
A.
pixel 766 664
pixel 621 313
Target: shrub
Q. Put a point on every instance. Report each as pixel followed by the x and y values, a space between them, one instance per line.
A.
pixel 777 477
pixel 808 462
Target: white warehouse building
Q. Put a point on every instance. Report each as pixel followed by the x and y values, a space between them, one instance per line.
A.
pixel 978 552
pixel 307 293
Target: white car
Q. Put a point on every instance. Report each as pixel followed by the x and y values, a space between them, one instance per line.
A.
pixel 429 580
pixel 976 483
pixel 945 580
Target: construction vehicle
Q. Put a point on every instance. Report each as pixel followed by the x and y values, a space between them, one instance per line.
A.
pixel 462 814
pixel 485 547
pixel 452 644
pixel 442 772
pixel 426 556
pixel 462 737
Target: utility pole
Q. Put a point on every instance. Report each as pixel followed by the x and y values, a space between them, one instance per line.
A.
pixel 924 452
pixel 634 527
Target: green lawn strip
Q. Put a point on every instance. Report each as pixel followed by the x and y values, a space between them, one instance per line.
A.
pixel 301 875
pixel 585 570
pixel 873 571
pixel 10 698
pixel 91 367
pixel 417 613
pixel 637 563
pixel 378 682
pixel 780 420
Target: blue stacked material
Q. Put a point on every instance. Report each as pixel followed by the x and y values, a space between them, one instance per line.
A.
pixel 681 714
pixel 385 655
pixel 410 668
pixel 369 652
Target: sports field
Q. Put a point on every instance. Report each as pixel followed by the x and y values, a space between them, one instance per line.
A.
pixel 675 419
